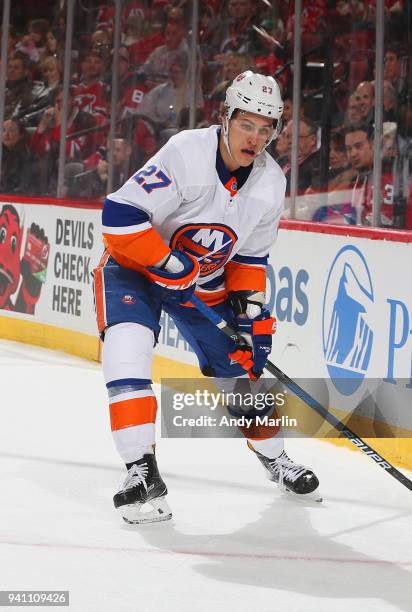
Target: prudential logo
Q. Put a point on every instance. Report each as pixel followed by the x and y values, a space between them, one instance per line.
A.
pixel 346 327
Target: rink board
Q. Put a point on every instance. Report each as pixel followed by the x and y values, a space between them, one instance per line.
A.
pixel 314 273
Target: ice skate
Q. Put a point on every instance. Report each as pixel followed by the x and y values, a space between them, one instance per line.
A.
pixel 291 477
pixel 142 488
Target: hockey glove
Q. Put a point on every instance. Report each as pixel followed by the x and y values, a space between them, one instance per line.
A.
pixel 256 326
pixel 176 277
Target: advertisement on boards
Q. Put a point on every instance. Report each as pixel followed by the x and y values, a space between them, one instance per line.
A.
pixel 47 254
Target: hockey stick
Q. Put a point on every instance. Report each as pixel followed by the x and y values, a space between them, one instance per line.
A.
pixel 308 399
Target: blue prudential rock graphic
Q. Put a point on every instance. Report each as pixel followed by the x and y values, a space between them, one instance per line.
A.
pixel 347 336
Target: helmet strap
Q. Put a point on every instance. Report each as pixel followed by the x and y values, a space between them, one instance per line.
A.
pixel 225 127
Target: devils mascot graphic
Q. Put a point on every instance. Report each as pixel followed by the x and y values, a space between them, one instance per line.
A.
pixel 27 274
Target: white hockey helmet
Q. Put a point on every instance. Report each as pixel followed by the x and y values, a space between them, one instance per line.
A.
pixel 254 93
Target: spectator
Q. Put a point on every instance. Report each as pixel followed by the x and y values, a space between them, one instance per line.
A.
pixel 52 71
pixel 404 161
pixel 175 15
pixel 18 169
pixel 308 158
pixel 19 86
pixel 287 109
pixel 359 147
pixel 184 119
pixel 163 104
pixel 139 42
pixel 93 183
pixel 122 165
pixel 46 139
pixel 392 65
pixel 365 96
pixel 206 33
pixel 340 173
pixel 101 40
pixel 54 44
pixel 390 102
pixel 236 33
pixel 353 113
pixel 157 64
pixel 341 178
pixel 106 12
pixel 144 142
pixel 91 93
pixel 34 43
pixel 268 53
pixel 233 64
pixel 132 86
pixel 134 30
pixel 389 145
pixel 281 147
pixel 346 12
pixel 405 119
pixel 392 70
pixel 312 18
pixel 44 91
pixel 158 16
pixel 132 90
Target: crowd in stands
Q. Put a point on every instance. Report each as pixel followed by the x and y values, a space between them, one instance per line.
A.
pixel 336 109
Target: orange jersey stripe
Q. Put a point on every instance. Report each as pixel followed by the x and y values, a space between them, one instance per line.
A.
pixel 243 277
pixel 191 245
pixel 99 292
pixel 131 412
pixel 136 250
pixel 103 259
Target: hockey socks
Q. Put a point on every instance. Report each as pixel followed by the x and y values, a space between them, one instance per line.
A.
pixel 127 369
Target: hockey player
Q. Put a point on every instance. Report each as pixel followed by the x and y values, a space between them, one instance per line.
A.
pixel 201 215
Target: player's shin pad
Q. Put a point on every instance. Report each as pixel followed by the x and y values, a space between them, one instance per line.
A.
pixel 142 513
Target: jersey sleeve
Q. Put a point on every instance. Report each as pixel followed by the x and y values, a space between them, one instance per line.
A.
pixel 247 269
pixel 128 214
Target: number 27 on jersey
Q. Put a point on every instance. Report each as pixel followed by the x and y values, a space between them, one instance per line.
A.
pixel 151 178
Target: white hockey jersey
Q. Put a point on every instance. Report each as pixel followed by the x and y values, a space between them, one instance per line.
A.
pixel 178 200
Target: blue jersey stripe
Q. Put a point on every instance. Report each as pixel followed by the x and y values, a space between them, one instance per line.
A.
pixel 122 215
pixel 245 259
pixel 212 284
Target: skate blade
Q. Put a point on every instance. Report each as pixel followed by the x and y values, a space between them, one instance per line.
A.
pixel 314 496
pixel 136 515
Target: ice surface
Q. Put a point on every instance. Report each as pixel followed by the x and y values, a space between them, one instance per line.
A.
pixel 235 543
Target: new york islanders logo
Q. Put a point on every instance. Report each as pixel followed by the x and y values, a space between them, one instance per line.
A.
pixel 211 244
